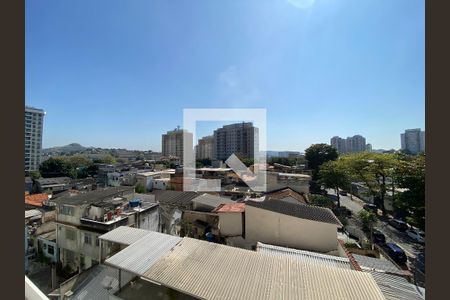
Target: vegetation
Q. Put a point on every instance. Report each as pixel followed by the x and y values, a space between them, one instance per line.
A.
pixel 35 175
pixel 77 166
pixel 368 219
pixel 410 175
pixel 140 189
pixel 316 155
pixel 106 159
pixel 322 201
pixel 334 176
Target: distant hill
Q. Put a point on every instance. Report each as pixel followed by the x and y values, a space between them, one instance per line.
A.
pixel 74 147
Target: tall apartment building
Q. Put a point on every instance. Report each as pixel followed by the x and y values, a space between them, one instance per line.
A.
pixel 240 139
pixel 356 143
pixel 205 148
pixel 34 120
pixel 413 140
pixel 173 144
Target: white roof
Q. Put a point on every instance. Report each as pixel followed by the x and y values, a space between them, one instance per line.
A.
pixel 295 175
pixel 32 213
pixel 215 271
pixel 141 255
pixel 305 256
pixel 124 235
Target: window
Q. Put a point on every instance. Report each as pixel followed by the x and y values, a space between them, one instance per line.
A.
pixel 70 234
pixel 51 249
pixel 67 210
pixel 87 239
pixel 44 246
pixel 97 241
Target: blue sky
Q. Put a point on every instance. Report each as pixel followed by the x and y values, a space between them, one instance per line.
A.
pixel 119 73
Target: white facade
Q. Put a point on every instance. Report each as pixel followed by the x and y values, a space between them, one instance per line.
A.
pixel 242 139
pixel 34 120
pixel 278 229
pixel 413 141
pixel 205 148
pixel 173 142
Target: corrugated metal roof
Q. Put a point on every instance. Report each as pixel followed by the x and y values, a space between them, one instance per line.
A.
pixel 141 255
pixel 396 287
pixel 32 213
pixel 375 263
pixel 211 201
pixel 305 256
pixel 96 283
pixel 214 271
pixel 124 235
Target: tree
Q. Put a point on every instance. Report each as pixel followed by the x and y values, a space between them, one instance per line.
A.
pixel 140 189
pixel 409 174
pixel 322 201
pixel 35 175
pixel 374 170
pixel 106 159
pixel 334 176
pixel 318 154
pixel 54 167
pixel 315 156
pixel 367 218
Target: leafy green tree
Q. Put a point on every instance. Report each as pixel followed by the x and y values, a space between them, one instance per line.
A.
pixel 334 176
pixel 374 170
pixel 368 219
pixel 410 175
pixel 35 174
pixel 322 201
pixel 54 167
pixel 140 189
pixel 318 154
pixel 106 159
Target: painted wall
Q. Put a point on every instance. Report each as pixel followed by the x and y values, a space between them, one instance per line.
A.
pixel 230 224
pixel 278 229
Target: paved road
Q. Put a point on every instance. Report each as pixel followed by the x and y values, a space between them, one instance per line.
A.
pixel 392 235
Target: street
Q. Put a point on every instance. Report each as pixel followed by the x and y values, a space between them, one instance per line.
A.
pixel 392 235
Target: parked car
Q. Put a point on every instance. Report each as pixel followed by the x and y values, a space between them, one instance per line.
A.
pixel 396 253
pixel 371 207
pixel 398 224
pixel 416 235
pixel 343 193
pixel 378 237
pixel 421 262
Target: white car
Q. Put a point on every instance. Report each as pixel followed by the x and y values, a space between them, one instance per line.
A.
pixel 416 235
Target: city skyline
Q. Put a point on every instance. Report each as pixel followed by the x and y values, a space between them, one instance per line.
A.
pixel 120 74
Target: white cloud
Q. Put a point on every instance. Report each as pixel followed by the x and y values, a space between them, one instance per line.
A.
pixel 302 3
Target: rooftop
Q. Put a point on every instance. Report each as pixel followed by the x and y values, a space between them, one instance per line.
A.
pixel 214 271
pixel 303 211
pixel 93 196
pixel 305 256
pixel 209 201
pixel 36 199
pixel 177 198
pixel 230 208
pixel 32 213
pixel 285 193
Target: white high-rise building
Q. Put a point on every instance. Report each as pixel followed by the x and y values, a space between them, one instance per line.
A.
pixel 413 141
pixel 357 143
pixel 34 121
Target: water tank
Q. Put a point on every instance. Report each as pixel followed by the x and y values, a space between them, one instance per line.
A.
pixel 209 237
pixel 135 202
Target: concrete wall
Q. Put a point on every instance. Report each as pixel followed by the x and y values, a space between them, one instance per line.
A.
pixel 278 229
pixel 45 249
pixel 230 224
pixel 75 219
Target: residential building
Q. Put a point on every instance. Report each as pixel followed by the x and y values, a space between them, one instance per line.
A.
pixel 51 185
pixel 356 143
pixel 83 217
pixel 289 224
pixel 413 141
pixel 240 139
pixel 205 148
pixel 173 143
pixel 34 120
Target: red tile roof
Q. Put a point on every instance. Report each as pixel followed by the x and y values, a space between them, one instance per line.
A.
pixel 36 199
pixel 353 261
pixel 230 207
